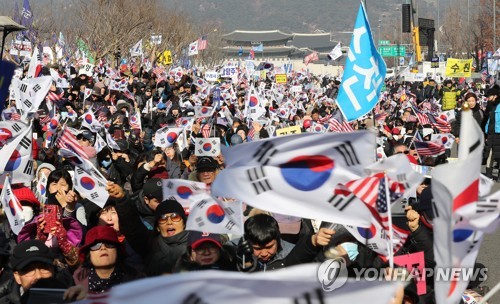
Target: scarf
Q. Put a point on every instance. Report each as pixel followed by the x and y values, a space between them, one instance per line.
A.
pixel 98 285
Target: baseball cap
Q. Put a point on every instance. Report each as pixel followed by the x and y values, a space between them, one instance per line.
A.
pixel 206 163
pixel 236 140
pixel 30 251
pixel 153 188
pixel 99 234
pixel 196 238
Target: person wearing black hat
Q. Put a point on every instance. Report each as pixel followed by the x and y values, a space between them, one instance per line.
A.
pixel 207 169
pixel 492 128
pixel 31 261
pixel 159 248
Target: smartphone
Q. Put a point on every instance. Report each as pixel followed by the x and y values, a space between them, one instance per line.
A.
pixel 51 214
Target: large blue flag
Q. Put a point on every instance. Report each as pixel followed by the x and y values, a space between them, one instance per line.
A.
pixel 27 14
pixel 364 72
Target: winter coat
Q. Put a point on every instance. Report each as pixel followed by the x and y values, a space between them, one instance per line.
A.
pixel 449 100
pixel 477 113
pixel 81 275
pixel 158 253
pixel 288 255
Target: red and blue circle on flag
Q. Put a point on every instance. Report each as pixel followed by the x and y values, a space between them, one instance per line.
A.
pixel 307 173
pixel 184 192
pixel 87 183
pixel 215 214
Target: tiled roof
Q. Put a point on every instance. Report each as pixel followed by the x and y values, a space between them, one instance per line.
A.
pixel 262 36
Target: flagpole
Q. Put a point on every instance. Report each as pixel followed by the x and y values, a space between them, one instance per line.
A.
pixel 389 215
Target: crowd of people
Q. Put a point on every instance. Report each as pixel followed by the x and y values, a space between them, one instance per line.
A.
pixel 140 233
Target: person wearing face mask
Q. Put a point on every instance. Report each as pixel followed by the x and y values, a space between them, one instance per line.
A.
pixel 27 199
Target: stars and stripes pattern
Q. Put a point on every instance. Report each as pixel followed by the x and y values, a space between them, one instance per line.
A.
pixel 428 148
pixel 53 97
pixel 337 127
pixel 371 190
pixel 205 131
pixel 311 57
pixel 67 140
pixel 439 123
pixel 202 43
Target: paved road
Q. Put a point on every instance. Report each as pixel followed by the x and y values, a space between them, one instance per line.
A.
pixel 489 255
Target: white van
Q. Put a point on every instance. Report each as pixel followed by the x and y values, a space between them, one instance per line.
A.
pixel 389 73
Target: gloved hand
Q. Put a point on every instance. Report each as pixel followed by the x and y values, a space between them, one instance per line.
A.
pixel 244 253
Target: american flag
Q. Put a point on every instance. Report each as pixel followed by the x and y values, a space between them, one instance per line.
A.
pixel 15 116
pixel 439 123
pixel 202 43
pixel 423 118
pixel 428 148
pixel 371 190
pixel 45 119
pixel 251 132
pixel 325 119
pixel 335 126
pixel 311 57
pixel 128 94
pixel 205 131
pixel 381 116
pixel 53 97
pixel 67 140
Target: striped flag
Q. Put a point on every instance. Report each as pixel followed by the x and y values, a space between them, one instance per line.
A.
pixel 311 57
pixel 428 148
pixel 337 127
pixel 205 130
pixel 423 118
pixel 439 123
pixel 202 43
pixel 67 140
pixel 251 132
pixel 53 97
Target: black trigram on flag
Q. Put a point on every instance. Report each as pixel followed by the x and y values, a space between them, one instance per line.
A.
pixel 316 296
pixel 199 221
pixel 265 153
pixel 230 224
pixel 28 170
pixel 16 127
pixel 258 179
pixel 193 299
pixel 485 206
pixel 37 88
pixel 347 152
pixel 372 246
pixel 402 180
pixel 435 208
pixel 340 201
pixel 27 103
pixel 25 142
pixel 170 185
pixel 473 244
pixel 94 195
pixel 23 87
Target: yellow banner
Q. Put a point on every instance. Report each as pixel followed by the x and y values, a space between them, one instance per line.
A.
pixel 165 57
pixel 458 67
pixel 280 78
pixel 288 131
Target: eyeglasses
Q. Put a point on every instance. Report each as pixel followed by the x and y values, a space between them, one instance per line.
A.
pixel 174 217
pixel 401 152
pixel 98 246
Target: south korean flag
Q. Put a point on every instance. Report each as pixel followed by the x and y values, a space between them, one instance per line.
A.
pixel 207 146
pixel 214 216
pixel 90 187
pixel 297 175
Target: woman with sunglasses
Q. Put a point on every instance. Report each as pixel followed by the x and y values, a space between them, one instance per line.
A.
pixel 102 259
pixel 159 248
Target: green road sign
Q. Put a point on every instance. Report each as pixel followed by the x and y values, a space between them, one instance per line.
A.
pixel 384 42
pixel 392 50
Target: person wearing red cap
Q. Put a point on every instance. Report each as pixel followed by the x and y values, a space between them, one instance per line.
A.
pixel 102 258
pixel 205 251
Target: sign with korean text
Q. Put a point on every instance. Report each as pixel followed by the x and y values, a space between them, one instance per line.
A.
pixel 211 76
pixel 280 78
pixel 228 71
pixel 458 67
pixel 392 50
pixel 288 131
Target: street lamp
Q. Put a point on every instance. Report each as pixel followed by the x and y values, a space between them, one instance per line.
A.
pixel 118 56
